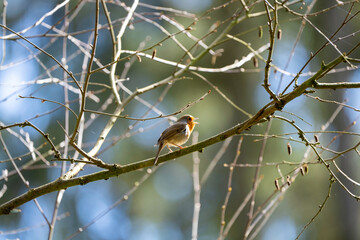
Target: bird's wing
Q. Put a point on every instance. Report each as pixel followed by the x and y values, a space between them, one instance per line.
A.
pixel 172 130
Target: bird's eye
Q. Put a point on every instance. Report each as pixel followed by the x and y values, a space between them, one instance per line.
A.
pixel 189 118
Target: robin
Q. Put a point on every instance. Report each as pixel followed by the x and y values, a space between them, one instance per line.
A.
pixel 177 134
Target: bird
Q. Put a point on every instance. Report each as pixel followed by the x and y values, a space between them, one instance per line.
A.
pixel 177 134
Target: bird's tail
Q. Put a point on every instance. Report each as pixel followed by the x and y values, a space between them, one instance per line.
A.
pixel 161 146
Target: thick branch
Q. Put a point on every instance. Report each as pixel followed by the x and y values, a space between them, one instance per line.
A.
pixel 336 85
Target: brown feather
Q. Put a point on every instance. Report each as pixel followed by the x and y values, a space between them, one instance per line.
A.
pixel 172 131
pixel 161 146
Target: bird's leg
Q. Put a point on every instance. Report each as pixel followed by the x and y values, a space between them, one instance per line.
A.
pixel 178 146
pixel 169 148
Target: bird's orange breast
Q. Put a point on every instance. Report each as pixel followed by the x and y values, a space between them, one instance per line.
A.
pixel 191 125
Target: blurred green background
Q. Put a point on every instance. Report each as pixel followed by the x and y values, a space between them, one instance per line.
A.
pixel 162 206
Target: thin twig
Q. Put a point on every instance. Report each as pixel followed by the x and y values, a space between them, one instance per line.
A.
pixel 238 211
pixel 235 65
pixel 87 78
pixel 229 190
pixel 5 3
pixel 48 100
pixel 272 24
pixel 215 160
pixel 222 94
pixel 321 207
pixel 187 106
pixel 197 190
pixel 60 193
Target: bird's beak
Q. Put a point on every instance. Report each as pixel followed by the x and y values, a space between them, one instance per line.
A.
pixel 195 121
